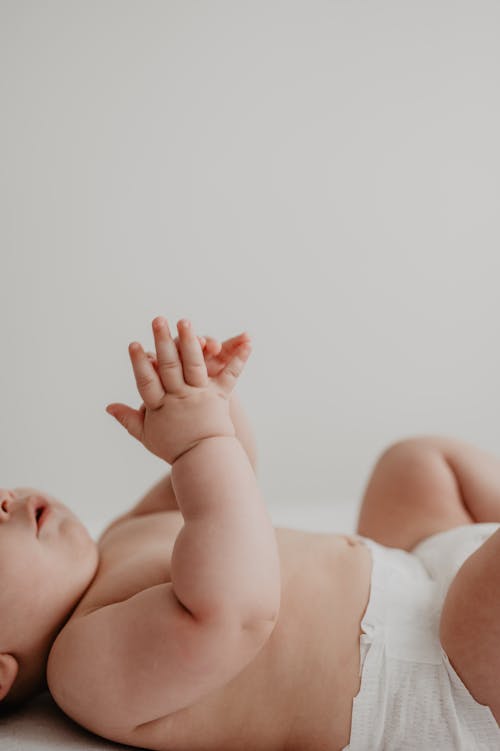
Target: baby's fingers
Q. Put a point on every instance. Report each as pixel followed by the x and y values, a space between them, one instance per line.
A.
pixel 146 377
pixel 229 375
pixel 193 361
pixel 212 346
pixel 229 345
pixel 203 344
pixel 169 360
pixel 131 419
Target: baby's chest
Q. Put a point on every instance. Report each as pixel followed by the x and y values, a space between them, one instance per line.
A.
pixel 134 555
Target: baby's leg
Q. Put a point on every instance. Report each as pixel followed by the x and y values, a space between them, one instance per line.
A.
pixel 428 484
pixel 470 623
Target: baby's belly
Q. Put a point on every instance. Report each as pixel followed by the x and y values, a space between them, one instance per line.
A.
pixel 297 693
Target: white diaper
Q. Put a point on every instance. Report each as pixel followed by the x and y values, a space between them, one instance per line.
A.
pixel 411 698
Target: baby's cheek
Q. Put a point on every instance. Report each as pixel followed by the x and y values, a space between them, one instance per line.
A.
pixel 23 492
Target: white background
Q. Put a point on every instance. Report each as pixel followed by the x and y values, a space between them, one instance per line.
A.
pixel 323 175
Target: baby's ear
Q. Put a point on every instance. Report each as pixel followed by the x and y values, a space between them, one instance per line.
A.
pixel 9 668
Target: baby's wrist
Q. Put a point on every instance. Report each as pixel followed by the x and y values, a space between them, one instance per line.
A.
pixel 201 441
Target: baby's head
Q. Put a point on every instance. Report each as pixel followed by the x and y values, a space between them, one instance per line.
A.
pixel 47 561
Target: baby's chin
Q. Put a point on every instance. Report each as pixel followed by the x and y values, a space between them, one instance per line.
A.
pixel 67 510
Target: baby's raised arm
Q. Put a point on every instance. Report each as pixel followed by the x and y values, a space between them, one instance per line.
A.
pixel 225 563
pixel 166 646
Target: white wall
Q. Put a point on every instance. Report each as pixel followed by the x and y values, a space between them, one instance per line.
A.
pixel 324 175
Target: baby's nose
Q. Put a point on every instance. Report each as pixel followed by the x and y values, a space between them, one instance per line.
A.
pixel 5 501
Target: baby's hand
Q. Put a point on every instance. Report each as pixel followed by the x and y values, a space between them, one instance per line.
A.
pixel 182 405
pixel 216 355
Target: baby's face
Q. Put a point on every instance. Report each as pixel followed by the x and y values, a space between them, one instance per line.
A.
pixel 47 561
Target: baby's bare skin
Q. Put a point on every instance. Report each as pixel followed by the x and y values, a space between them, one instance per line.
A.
pixel 263 653
pixel 195 630
pixel 297 693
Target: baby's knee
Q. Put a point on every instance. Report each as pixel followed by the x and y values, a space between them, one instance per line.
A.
pixel 417 466
pixel 409 450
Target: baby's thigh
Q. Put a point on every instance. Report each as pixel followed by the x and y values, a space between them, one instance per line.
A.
pixel 470 623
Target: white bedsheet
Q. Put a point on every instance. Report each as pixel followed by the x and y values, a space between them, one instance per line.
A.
pixel 41 725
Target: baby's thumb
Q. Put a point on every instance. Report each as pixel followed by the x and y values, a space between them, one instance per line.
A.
pixel 131 419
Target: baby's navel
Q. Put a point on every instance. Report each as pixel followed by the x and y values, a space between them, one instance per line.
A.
pixel 351 540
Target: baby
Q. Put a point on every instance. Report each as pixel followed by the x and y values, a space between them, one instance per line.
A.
pixel 194 625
